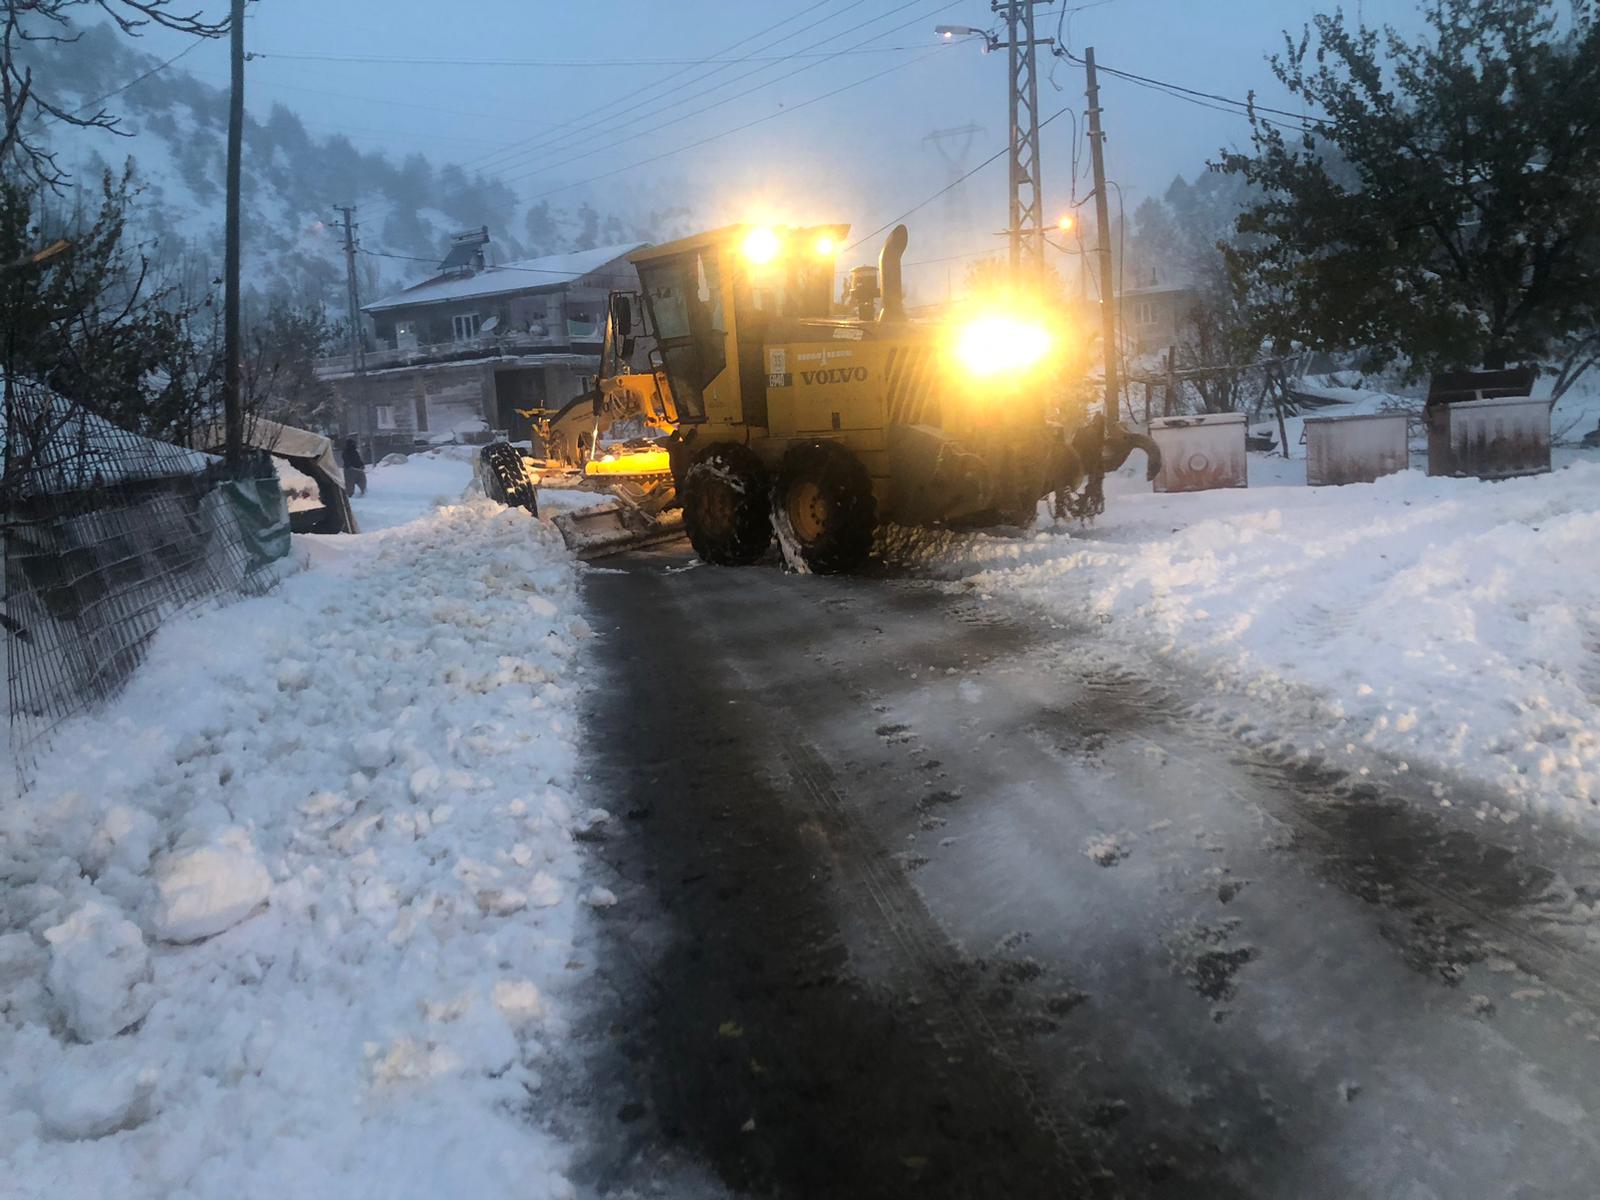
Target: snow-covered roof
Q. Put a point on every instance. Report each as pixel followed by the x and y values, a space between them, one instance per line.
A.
pixel 528 274
pixel 61 447
pixel 1157 289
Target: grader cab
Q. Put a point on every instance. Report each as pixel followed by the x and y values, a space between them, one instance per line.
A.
pixel 773 416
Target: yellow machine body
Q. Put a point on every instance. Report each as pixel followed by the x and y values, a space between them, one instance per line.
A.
pixel 754 355
pixel 766 410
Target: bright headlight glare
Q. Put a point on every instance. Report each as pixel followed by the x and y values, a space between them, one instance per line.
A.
pixel 825 245
pixel 994 345
pixel 761 246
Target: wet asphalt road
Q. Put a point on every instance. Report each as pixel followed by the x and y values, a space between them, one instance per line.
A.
pixel 914 903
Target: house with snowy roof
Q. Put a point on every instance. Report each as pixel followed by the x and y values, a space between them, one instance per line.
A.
pixel 458 354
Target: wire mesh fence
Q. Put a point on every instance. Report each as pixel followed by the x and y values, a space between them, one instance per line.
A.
pixel 106 535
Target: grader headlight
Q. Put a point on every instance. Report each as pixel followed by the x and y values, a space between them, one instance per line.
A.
pixel 1001 345
pixel 761 246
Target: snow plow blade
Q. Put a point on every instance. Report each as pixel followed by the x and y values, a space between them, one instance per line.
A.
pixel 614 528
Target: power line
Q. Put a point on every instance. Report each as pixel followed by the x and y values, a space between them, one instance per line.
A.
pixel 590 152
pixel 159 67
pixel 793 108
pixel 485 162
pixel 574 63
pixel 364 98
pixel 1064 21
pixel 1194 96
pixel 563 130
pixel 995 157
pixel 925 262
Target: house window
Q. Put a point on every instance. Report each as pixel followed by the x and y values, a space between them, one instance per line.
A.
pixel 465 326
pixel 421 412
pixel 582 321
pixel 1144 313
pixel 383 416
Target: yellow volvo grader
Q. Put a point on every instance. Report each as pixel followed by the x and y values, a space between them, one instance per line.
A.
pixel 768 411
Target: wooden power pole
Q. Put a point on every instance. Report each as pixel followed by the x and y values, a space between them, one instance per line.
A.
pixel 232 402
pixel 352 286
pixel 1102 212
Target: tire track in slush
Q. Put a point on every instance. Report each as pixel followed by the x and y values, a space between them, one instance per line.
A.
pixel 958 1023
pixel 1311 798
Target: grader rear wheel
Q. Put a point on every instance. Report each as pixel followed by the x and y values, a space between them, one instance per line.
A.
pixel 823 509
pixel 725 510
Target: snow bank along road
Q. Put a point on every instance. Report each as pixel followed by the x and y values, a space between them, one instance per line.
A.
pixel 300 915
pixel 954 900
pixel 1446 624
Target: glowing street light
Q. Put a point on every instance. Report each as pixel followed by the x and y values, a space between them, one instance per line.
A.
pixel 950 33
pixel 761 246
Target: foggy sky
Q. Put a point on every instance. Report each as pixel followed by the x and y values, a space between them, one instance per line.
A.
pixel 859 156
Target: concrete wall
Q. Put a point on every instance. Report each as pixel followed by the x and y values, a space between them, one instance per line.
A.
pixel 469 399
pixel 421 403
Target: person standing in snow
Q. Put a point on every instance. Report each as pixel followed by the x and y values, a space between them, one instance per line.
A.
pixel 355 469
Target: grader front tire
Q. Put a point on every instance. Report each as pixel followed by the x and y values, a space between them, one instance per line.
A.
pixel 823 508
pixel 505 479
pixel 725 513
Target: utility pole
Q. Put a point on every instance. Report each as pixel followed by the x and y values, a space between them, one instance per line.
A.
pixel 357 358
pixel 1026 226
pixel 1102 212
pixel 232 404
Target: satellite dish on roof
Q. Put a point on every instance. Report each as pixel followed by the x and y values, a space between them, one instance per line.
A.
pixel 490 325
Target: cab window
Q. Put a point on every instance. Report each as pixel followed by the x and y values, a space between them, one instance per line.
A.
pixel 684 295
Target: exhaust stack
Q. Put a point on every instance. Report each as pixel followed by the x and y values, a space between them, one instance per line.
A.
pixel 889 279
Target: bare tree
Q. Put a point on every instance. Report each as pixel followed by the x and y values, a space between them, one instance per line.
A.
pixel 28 103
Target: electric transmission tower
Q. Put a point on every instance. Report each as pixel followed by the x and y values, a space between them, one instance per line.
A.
pixel 955 147
pixel 1026 227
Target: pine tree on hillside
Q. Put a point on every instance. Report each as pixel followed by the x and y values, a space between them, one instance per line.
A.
pixel 29 102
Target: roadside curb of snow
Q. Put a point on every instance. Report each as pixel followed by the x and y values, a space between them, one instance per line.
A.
pixel 301 913
pixel 1415 625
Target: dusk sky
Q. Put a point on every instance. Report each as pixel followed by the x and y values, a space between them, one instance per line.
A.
pixel 519 94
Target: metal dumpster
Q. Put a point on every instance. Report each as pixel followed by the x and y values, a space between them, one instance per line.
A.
pixel 1485 424
pixel 1356 448
pixel 1200 453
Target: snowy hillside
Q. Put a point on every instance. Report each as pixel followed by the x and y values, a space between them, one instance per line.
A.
pixel 292 180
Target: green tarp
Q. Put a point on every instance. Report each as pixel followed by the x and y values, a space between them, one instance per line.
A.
pixel 263 515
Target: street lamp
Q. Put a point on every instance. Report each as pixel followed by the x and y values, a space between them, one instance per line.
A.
pixel 950 32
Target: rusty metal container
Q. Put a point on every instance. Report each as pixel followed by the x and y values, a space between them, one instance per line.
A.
pixel 1496 438
pixel 1485 423
pixel 1356 448
pixel 1200 453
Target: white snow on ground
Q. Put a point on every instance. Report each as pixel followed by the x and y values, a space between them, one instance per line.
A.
pixel 298 914
pixel 560 500
pixel 399 494
pixel 1446 624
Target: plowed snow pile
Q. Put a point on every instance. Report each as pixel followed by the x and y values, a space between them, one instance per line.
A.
pixel 297 916
pixel 1444 623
